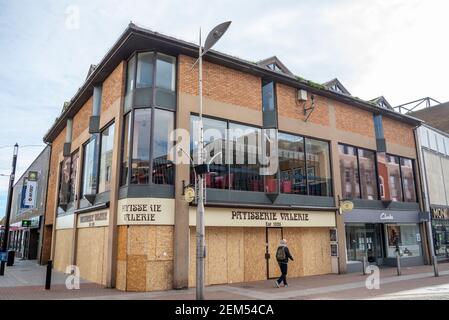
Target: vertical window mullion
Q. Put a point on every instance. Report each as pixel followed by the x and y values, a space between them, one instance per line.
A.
pixel 359 173
pixel 305 165
pixel 130 146
pixel 153 101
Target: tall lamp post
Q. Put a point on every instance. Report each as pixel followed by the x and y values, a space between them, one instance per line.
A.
pixel 201 168
pixel 4 247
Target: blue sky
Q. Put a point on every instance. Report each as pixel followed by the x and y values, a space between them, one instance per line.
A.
pixel 375 47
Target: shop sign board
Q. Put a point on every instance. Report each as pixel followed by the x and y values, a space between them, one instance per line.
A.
pixel 146 211
pixel 98 218
pixel 237 217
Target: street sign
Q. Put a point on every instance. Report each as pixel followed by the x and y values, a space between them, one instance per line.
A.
pixel 26 223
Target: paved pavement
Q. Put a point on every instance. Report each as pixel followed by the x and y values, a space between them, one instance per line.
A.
pixel 26 280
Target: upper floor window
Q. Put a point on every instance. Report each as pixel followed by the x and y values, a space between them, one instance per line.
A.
pixel 106 148
pixel 151 80
pixel 269 104
pixel 67 182
pixel 358 173
pixel 90 166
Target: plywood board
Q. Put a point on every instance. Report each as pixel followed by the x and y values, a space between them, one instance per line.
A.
pixel 136 273
pixel 235 255
pixel 63 249
pixel 293 237
pixel 192 260
pixel 316 251
pixel 164 242
pixel 150 246
pixel 254 252
pixel 90 253
pixel 216 259
pixel 137 239
pixel 159 275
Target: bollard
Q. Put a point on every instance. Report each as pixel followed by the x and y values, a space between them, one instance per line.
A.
pixel 48 276
pixel 364 265
pixel 398 264
pixel 435 266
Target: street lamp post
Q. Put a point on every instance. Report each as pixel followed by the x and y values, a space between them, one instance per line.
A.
pixel 4 247
pixel 213 36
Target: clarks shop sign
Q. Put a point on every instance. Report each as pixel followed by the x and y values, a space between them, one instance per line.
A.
pixel 440 213
pixel 232 217
pixel 143 211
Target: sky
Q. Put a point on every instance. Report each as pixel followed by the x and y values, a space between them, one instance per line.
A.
pixel 394 48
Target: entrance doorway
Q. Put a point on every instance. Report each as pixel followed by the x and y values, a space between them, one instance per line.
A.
pixel 365 240
pixel 274 236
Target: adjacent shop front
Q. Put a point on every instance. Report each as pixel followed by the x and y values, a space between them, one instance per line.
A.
pixel 440 231
pixel 381 235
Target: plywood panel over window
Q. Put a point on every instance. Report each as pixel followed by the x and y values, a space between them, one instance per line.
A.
pixel 435 178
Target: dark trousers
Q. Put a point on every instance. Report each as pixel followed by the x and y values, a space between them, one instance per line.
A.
pixel 283 277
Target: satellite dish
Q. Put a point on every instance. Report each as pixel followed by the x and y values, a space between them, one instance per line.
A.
pixel 215 34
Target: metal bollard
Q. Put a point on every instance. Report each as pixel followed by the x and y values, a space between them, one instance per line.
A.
pixel 48 276
pixel 364 265
pixel 435 266
pixel 398 264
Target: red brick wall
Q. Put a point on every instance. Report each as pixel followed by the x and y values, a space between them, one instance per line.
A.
pixel 355 120
pixel 81 119
pixel 221 83
pixel 112 88
pixel 398 132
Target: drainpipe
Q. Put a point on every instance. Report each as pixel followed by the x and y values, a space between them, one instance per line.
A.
pixel 425 199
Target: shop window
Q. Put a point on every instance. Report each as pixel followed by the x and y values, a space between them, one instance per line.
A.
pixel 140 163
pixel 319 180
pixel 106 148
pixel 403 239
pixel 90 166
pixel 125 150
pixel 292 165
pixel 163 168
pixel 408 180
pixel 215 141
pixel 349 172
pixel 244 170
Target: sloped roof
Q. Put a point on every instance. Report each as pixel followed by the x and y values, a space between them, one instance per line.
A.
pixel 135 38
pixel 273 63
pixel 436 116
pixel 337 86
pixel 381 102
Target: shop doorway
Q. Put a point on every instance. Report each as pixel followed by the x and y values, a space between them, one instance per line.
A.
pixel 273 237
pixel 365 240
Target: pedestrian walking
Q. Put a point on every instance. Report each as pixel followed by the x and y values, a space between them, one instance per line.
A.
pixel 282 256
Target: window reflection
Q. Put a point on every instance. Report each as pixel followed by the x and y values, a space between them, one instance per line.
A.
pixel 162 166
pixel 144 70
pixel 107 145
pixel 90 166
pixel 292 164
pixel 349 172
pixel 125 153
pixel 408 180
pixel 141 147
pixel 318 168
pixel 367 162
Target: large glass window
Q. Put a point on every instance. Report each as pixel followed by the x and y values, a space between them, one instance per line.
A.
pixel 125 150
pixel 408 180
pixel 244 170
pixel 405 238
pixel 107 146
pixel 349 172
pixel 73 173
pixel 368 181
pixel 215 141
pixel 144 70
pixel 268 96
pixel 292 166
pixel 394 178
pixel 130 75
pixel 90 165
pixel 165 81
pixel 163 168
pixel 64 182
pixel 319 180
pixel 141 147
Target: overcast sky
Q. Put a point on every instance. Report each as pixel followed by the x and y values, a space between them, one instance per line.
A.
pixel 398 49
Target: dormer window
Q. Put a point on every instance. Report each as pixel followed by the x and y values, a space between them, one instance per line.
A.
pixel 274 64
pixel 381 102
pixel 336 86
